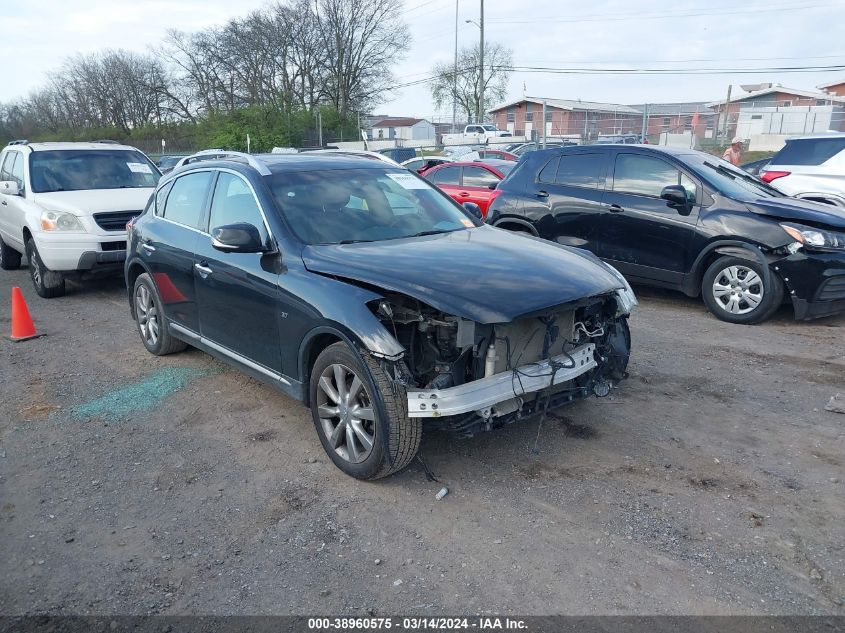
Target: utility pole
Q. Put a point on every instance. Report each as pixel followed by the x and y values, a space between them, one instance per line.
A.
pixel 645 122
pixel 481 70
pixel 727 111
pixel 455 76
pixel 544 124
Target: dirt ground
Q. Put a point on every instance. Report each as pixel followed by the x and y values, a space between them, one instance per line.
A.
pixel 710 482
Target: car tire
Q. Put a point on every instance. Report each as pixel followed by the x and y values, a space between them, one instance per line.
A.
pixel 383 440
pixel 152 322
pixel 10 259
pixel 734 290
pixel 48 283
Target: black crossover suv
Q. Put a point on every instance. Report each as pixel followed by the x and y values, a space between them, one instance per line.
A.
pixel 685 220
pixel 355 286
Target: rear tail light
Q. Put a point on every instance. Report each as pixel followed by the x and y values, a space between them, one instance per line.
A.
pixel 769 176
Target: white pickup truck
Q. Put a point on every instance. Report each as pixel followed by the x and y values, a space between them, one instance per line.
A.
pixel 477 133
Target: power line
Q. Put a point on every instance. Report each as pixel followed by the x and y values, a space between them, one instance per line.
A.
pixel 686 61
pixel 671 71
pixel 663 15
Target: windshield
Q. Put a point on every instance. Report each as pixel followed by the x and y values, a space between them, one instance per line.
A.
pixel 78 170
pixel 490 128
pixel 731 181
pixel 341 206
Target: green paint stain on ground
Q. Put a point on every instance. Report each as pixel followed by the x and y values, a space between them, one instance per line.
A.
pixel 139 396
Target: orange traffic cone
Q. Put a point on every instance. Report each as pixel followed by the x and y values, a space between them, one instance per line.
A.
pixel 22 326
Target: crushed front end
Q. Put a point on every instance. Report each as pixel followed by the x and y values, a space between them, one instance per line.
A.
pixel 468 377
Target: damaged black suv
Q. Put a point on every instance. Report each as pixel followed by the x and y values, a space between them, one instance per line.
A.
pixel 682 219
pixel 358 288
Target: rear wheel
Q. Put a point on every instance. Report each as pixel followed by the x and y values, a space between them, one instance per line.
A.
pixel 151 320
pixel 362 422
pixel 736 290
pixel 48 283
pixel 9 259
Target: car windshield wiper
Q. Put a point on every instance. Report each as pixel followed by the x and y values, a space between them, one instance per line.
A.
pixel 353 241
pixel 734 175
pixel 430 232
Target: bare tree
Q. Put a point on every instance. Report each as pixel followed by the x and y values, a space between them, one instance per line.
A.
pixel 362 38
pixel 497 62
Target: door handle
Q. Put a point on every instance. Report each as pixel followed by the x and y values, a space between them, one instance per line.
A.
pixel 542 194
pixel 464 194
pixel 614 208
pixel 204 271
pixel 4 203
pixel 149 248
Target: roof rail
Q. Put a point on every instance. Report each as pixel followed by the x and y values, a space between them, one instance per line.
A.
pixel 363 153
pixel 20 142
pixel 222 154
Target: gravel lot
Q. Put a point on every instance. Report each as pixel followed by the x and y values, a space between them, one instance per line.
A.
pixel 711 482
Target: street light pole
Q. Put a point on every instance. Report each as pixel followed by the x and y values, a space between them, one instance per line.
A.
pixel 455 76
pixel 481 70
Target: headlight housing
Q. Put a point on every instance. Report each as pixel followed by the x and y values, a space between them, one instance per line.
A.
pixel 624 297
pixel 59 221
pixel 813 237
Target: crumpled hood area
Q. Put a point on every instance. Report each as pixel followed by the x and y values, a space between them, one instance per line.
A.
pixel 484 274
pixel 800 211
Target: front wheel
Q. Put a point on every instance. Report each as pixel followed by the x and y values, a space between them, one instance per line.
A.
pixel 362 421
pixel 48 283
pixel 735 290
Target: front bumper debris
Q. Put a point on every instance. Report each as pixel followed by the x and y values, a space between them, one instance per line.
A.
pixel 479 395
pixel 815 281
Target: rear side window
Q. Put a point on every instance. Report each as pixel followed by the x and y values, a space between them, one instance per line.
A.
pixel 187 199
pixel 447 176
pixel 234 203
pixel 580 170
pixel 549 171
pixel 478 177
pixel 809 151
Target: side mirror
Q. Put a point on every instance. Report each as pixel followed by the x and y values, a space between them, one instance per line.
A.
pixel 493 185
pixel 676 196
pixel 237 238
pixel 474 209
pixel 10 188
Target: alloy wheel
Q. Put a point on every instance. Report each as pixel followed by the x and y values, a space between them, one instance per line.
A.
pixel 346 413
pixel 738 289
pixel 147 313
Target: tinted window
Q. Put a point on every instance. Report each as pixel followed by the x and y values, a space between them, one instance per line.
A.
pixel 479 177
pixel 362 205
pixel 446 176
pixel 187 199
pixel 77 170
pixel 547 174
pixel 233 202
pixel 414 164
pixel 810 151
pixel 643 175
pixel 161 196
pixel 580 170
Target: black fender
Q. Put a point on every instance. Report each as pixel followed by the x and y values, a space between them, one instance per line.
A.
pixel 517 221
pixel 334 330
pixel 732 248
pixel 135 261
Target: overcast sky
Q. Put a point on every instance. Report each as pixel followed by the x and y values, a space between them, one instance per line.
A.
pixel 39 34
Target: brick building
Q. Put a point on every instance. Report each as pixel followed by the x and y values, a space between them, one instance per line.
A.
pixel 565 117
pixel 836 88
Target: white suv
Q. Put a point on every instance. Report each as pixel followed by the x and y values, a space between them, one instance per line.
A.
pixel 66 205
pixel 810 167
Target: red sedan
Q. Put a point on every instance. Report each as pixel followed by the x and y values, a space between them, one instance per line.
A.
pixel 471 181
pixel 497 153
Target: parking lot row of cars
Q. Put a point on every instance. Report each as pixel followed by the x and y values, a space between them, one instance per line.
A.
pixel 361 289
